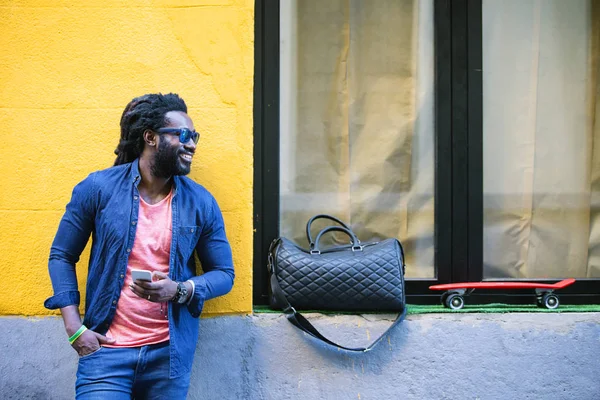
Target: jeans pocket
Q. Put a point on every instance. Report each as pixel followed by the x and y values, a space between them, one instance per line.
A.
pixel 92 353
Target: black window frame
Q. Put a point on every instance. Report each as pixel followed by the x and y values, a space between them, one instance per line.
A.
pixel 458 157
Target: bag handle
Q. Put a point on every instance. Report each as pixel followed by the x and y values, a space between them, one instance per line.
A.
pixel 320 216
pixel 302 323
pixel 314 249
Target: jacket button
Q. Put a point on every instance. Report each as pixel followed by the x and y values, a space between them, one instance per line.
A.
pixel 191 230
pixel 114 302
pixel 128 250
pixel 122 275
pixel 133 222
pixel 135 197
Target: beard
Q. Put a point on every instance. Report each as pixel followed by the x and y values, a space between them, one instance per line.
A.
pixel 167 162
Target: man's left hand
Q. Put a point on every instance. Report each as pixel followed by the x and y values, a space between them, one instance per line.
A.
pixel 160 290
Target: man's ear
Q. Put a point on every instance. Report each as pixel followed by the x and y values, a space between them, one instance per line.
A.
pixel 150 138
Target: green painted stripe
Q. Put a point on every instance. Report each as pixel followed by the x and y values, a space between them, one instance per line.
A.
pixel 487 308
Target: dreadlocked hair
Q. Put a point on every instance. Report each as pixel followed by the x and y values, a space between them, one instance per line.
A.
pixel 142 113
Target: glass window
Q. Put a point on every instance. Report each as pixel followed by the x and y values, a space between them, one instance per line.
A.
pixel 357 121
pixel 541 131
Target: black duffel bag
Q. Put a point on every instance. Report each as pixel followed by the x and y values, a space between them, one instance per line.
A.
pixel 355 277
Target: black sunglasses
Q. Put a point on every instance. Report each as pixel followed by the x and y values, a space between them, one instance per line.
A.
pixel 184 134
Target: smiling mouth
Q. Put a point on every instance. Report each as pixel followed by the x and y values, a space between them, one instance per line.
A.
pixel 186 157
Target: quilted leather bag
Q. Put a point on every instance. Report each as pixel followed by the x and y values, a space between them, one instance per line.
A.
pixel 354 277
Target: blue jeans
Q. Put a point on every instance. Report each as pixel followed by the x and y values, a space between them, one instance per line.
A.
pixel 129 373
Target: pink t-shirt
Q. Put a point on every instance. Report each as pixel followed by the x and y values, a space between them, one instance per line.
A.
pixel 137 321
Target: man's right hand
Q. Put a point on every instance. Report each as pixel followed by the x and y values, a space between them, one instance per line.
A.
pixel 89 342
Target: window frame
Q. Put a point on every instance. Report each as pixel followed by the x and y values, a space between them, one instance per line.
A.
pixel 458 114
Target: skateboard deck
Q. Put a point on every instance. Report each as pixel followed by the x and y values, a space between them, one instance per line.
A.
pixel 503 285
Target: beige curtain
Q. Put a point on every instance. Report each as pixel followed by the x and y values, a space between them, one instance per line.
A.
pixel 357 128
pixel 593 116
pixel 541 138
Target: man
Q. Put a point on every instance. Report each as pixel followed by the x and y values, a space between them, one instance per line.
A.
pixel 138 337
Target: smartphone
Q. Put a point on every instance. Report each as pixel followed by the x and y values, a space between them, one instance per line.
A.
pixel 142 275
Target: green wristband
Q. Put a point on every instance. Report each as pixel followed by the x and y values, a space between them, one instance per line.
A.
pixel 76 335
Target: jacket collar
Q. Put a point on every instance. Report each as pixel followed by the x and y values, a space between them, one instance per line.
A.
pixel 135 172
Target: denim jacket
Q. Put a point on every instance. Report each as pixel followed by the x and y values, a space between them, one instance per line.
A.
pixel 106 205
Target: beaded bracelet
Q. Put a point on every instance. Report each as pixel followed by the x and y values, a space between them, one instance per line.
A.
pixel 76 335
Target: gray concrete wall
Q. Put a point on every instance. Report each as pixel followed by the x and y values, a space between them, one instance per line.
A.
pixel 434 356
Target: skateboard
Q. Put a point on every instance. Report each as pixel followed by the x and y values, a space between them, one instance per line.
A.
pixel 453 298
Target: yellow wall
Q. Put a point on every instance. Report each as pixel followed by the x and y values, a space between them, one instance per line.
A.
pixel 67 69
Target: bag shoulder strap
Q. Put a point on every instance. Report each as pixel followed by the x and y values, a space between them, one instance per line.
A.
pixel 302 323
